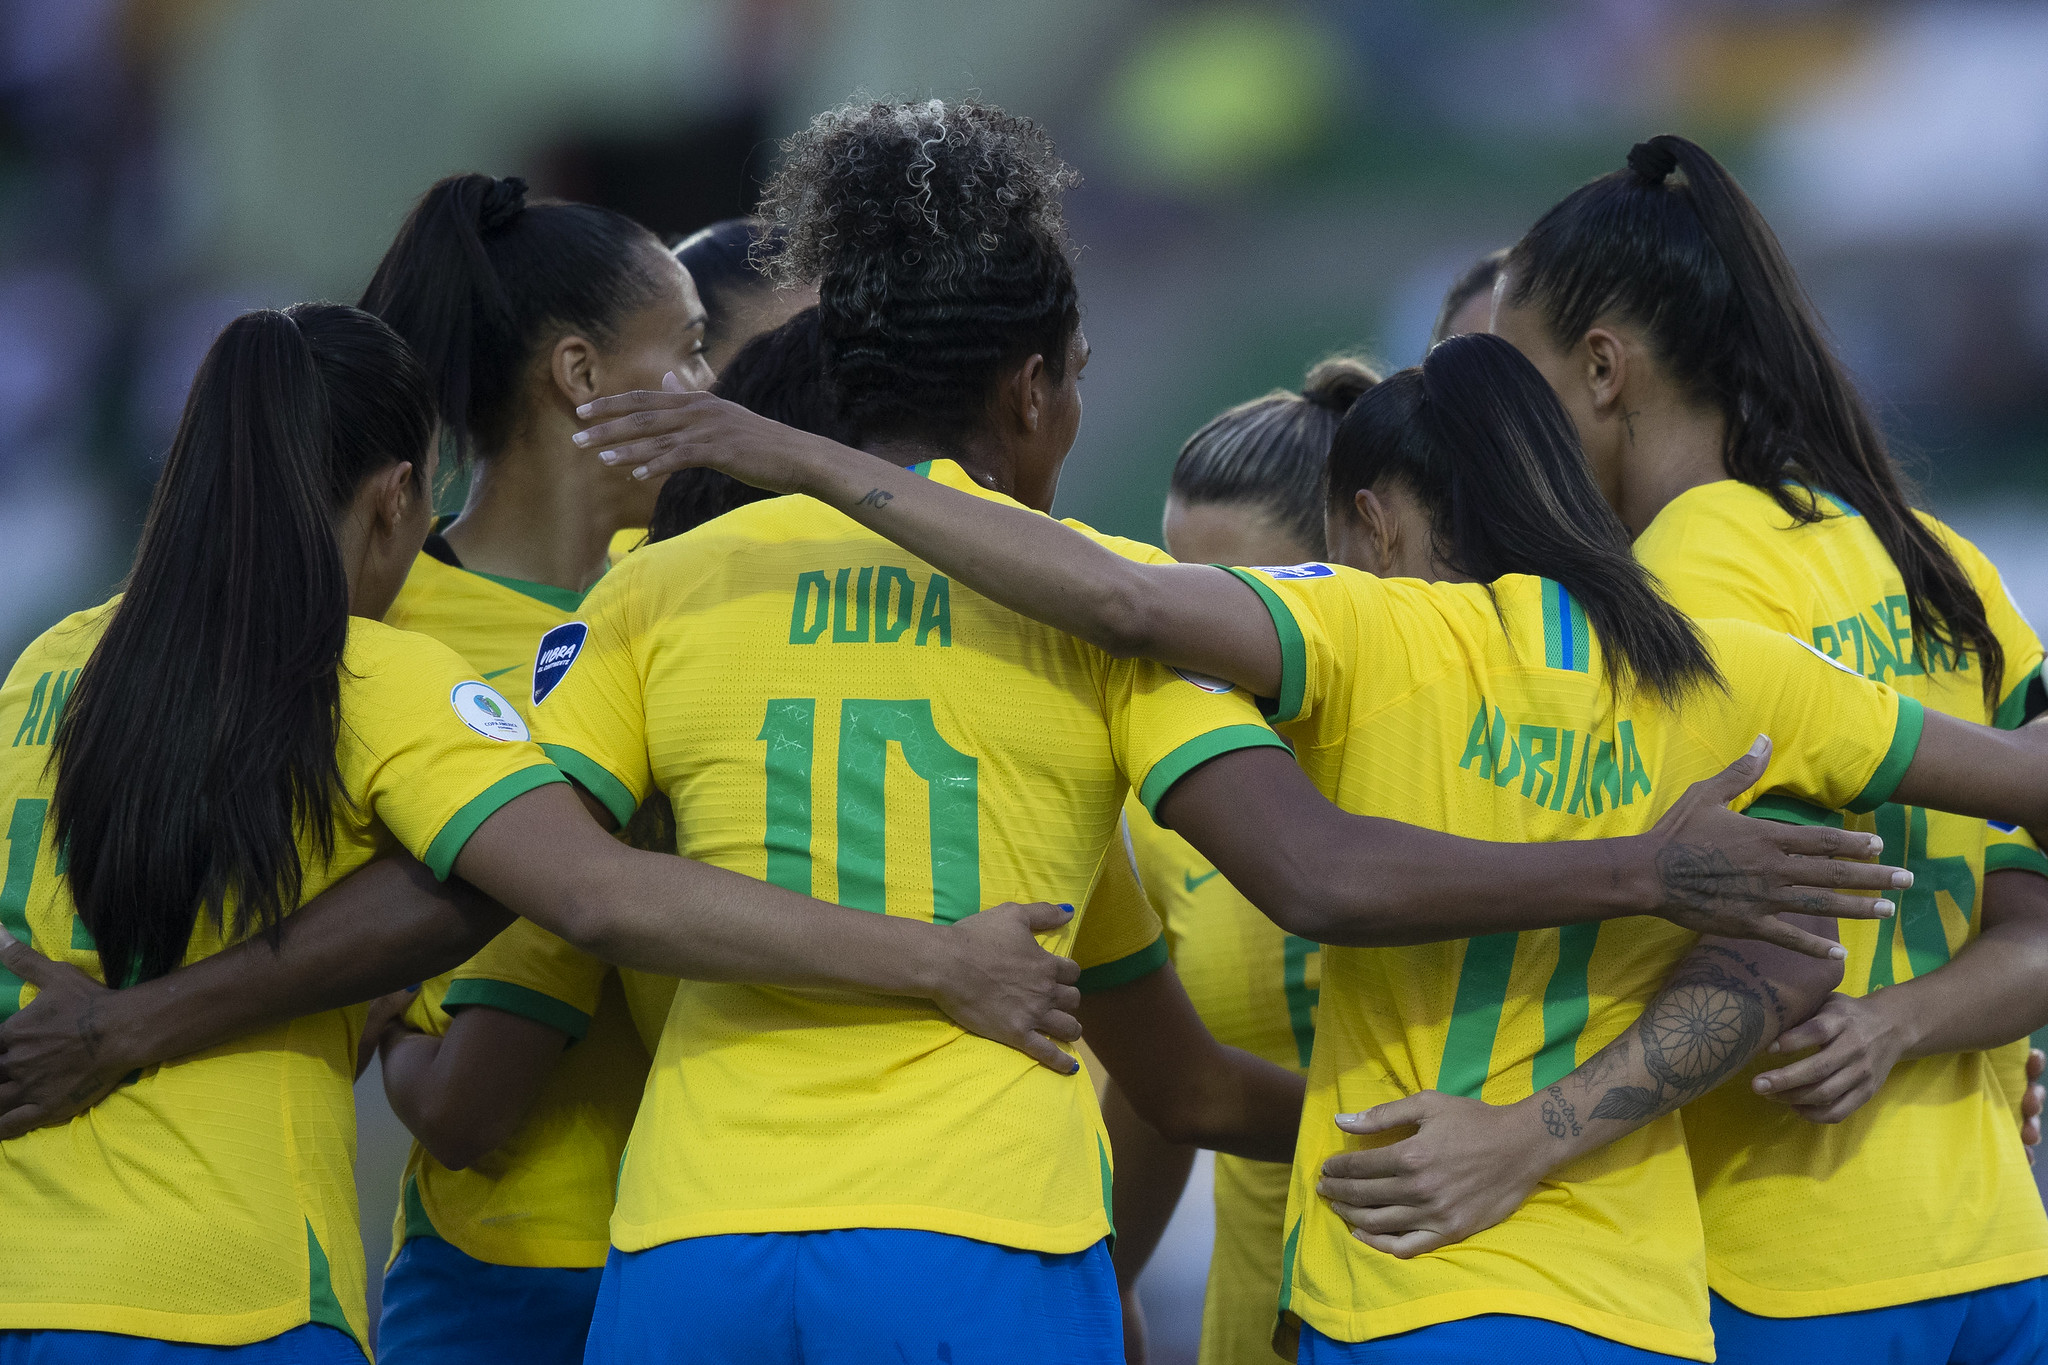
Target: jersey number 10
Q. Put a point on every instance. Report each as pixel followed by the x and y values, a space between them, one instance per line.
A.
pixel 866 730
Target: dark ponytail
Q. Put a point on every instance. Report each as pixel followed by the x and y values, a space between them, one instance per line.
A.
pixel 200 738
pixel 1270 452
pixel 1673 245
pixel 1479 437
pixel 479 280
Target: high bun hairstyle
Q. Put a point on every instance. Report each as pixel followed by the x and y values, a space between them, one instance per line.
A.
pixel 935 235
pixel 198 743
pixel 1271 452
pixel 1673 245
pixel 480 279
pixel 1479 437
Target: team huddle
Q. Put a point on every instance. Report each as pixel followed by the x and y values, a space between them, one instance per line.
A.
pixel 1554 819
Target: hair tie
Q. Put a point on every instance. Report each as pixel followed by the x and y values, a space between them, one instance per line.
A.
pixel 1652 161
pixel 502 202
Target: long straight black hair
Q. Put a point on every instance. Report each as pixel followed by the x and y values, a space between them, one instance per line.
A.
pixel 1672 244
pixel 478 279
pixel 1479 437
pixel 200 738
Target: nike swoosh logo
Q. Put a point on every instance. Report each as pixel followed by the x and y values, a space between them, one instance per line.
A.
pixel 1193 881
pixel 501 672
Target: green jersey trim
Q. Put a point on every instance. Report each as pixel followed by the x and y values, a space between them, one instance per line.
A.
pixel 1898 758
pixel 594 778
pixel 1567 638
pixel 523 1001
pixel 2011 858
pixel 2012 712
pixel 324 1306
pixel 448 843
pixel 417 1224
pixel 1293 649
pixel 1195 753
pixel 1108 1185
pixel 561 599
pixel 1105 976
pixel 1790 810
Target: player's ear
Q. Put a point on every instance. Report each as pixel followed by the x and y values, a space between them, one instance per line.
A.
pixel 1027 393
pixel 1382 530
pixel 573 365
pixel 1606 358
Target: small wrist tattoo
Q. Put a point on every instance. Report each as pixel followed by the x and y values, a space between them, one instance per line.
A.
pixel 876 498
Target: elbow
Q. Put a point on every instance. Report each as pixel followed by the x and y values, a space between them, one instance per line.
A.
pixel 457 1135
pixel 1803 989
pixel 1179 1118
pixel 586 918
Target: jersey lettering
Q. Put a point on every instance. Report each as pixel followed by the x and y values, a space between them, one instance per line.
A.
pixel 1610 772
pixel 870 604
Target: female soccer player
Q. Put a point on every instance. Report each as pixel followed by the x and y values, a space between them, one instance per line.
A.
pixel 229 737
pixel 1733 444
pixel 728 261
pixel 1247 489
pixel 519 312
pixel 1542 708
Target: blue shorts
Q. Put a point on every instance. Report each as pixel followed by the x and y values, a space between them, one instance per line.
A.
pixel 2006 1324
pixel 1489 1340
pixel 442 1305
pixel 855 1296
pixel 313 1344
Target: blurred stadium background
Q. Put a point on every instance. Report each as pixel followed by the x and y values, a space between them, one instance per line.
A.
pixel 1265 182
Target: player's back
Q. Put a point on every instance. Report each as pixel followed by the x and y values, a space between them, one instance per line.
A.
pixel 829 714
pixel 1934 1158
pixel 1495 716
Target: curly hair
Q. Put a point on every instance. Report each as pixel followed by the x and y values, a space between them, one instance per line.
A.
pixel 935 235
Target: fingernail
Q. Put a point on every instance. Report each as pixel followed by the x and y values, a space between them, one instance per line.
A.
pixel 1346 1118
pixel 1885 909
pixel 581 438
pixel 584 411
pixel 1066 907
pixel 1763 1086
pixel 1074 1068
pixel 1837 952
pixel 641 472
pixel 1763 742
pixel 1902 879
pixel 608 456
pixel 1876 845
pixel 1772 1048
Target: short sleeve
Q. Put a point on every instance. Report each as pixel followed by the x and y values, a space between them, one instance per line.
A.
pixel 2008 848
pixel 1838 740
pixel 428 749
pixel 1164 723
pixel 2021 695
pixel 1314 614
pixel 590 712
pixel 530 972
pixel 1120 938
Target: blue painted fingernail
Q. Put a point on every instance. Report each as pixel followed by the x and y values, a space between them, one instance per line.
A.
pixel 1068 908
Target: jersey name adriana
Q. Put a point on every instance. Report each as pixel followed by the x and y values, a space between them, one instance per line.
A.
pixel 1409 701
pixel 1924 1191
pixel 833 716
pixel 544 1198
pixel 211 1200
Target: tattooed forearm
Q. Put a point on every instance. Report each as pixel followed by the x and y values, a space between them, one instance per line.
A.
pixel 1707 1023
pixel 1558 1115
pixel 876 498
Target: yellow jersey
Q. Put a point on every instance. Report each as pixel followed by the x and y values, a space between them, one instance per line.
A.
pixel 1255 986
pixel 1409 701
pixel 829 714
pixel 1924 1191
pixel 545 1197
pixel 211 1200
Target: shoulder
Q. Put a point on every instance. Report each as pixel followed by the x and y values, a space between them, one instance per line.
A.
pixel 68 643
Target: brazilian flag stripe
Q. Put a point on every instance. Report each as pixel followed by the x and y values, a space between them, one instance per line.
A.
pixel 1566 637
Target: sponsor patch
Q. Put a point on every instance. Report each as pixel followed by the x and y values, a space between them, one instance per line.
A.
pixel 1203 681
pixel 557 652
pixel 1830 662
pixel 1295 570
pixel 2001 826
pixel 485 710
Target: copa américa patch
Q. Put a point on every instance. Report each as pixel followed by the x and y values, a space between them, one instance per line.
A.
pixel 1294 570
pixel 485 710
pixel 557 653
pixel 1203 681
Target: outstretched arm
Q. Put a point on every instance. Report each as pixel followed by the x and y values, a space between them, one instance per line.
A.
pixel 1975 770
pixel 1471 1164
pixel 380 929
pixel 1183 615
pixel 1352 880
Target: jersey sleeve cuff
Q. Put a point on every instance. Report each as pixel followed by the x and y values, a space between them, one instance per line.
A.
pixel 1195 753
pixel 2002 858
pixel 596 779
pixel 1293 650
pixel 1898 758
pixel 441 854
pixel 1790 810
pixel 1125 970
pixel 523 1001
pixel 2012 712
